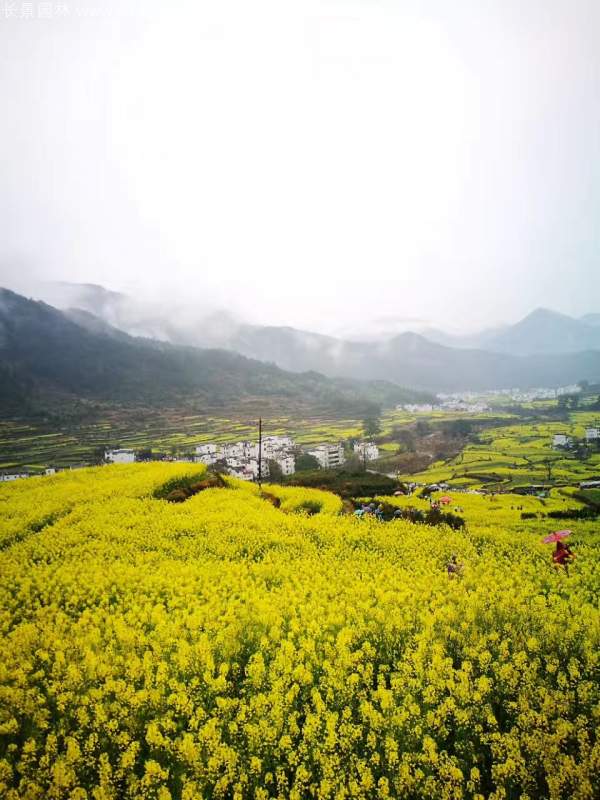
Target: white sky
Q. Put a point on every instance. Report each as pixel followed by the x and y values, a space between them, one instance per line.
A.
pixel 320 163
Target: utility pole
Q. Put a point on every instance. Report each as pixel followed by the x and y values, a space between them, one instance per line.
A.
pixel 260 452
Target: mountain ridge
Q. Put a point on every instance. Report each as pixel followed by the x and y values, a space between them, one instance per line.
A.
pixel 498 358
pixel 45 351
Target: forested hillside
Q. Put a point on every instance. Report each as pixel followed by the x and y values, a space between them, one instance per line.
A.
pixel 44 353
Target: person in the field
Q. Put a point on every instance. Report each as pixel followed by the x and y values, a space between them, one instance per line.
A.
pixel 454 568
pixel 562 557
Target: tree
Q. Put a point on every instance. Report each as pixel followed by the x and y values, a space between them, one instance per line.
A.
pixel 460 427
pixel 549 466
pixel 355 464
pixel 99 454
pixel 306 462
pixel 218 467
pixel 422 427
pixel 275 471
pixel 582 452
pixel 407 441
pixel 371 426
pixel 568 401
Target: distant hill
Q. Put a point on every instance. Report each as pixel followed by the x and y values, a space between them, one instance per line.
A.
pixel 414 360
pixel 546 331
pixel 542 331
pixel 45 352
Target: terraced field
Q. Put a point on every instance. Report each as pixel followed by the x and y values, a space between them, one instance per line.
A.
pixel 516 455
pixel 38 445
pixel 499 510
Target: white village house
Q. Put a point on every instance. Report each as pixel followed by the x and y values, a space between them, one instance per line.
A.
pixel 271 445
pixel 206 454
pixel 12 476
pixel 366 450
pixel 123 456
pixel 592 434
pixel 329 456
pixel 561 440
pixel 287 464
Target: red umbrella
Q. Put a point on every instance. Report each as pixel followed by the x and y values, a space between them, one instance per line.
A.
pixel 556 536
pixel 445 500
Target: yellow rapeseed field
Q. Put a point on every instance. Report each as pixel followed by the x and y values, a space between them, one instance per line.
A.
pixel 225 648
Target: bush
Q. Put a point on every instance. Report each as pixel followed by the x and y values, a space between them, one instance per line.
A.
pixel 574 513
pixel 306 463
pixel 310 506
pixel 179 489
pixel 345 483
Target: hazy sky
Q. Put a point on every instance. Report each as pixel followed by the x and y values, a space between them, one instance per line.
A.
pixel 320 163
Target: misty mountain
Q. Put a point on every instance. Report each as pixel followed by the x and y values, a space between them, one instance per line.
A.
pixel 546 331
pixel 95 325
pixel 97 300
pixel 414 360
pixel 185 324
pixel 542 331
pixel 528 354
pixel 479 340
pixel 48 353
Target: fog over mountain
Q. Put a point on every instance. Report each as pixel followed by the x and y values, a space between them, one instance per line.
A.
pixel 49 357
pixel 545 348
pixel 541 331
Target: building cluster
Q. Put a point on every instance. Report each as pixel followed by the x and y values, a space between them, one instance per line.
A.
pixel 529 395
pixel 12 476
pixel 475 402
pixel 241 458
pixel 478 402
pixel 5 477
pixel 449 404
